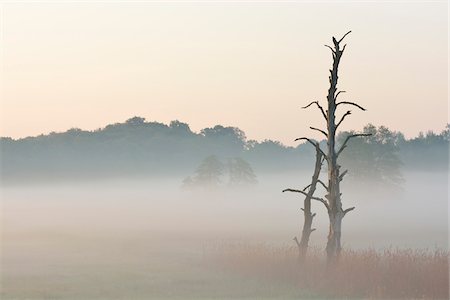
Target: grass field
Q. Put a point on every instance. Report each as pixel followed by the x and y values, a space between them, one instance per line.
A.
pixel 61 265
pixel 361 274
pixel 70 266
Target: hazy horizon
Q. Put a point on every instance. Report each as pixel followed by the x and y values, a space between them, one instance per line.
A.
pixel 261 139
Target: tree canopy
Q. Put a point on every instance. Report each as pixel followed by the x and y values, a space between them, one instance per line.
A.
pixel 140 147
pixel 374 158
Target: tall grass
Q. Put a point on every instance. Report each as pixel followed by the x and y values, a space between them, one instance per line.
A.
pixel 386 274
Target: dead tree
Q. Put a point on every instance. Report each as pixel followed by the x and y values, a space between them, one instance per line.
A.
pixel 308 191
pixel 333 202
pixel 335 211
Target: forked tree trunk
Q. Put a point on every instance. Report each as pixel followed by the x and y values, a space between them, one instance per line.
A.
pixel 333 201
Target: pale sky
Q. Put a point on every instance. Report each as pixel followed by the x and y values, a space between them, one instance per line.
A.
pixel 250 65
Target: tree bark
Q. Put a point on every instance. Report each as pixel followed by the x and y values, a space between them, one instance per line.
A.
pixel 307 213
pixel 335 211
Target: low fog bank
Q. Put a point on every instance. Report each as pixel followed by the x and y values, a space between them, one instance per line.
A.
pixel 150 239
pixel 415 216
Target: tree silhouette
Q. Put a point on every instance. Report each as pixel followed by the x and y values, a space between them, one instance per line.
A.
pixel 240 172
pixel 208 173
pixel 333 202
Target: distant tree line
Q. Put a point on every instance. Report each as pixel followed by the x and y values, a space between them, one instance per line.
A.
pixel 137 147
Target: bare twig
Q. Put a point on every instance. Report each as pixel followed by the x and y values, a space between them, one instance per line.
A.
pixel 348 138
pixel 343 117
pixel 351 103
pixel 335 97
pixel 348 210
pixel 323 184
pixel 319 106
pixel 342 175
pixel 320 130
pixel 306 187
pixel 344 36
pixel 315 144
pixel 306 194
pixel 306 139
pixel 332 50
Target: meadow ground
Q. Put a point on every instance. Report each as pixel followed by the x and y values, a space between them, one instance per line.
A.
pixel 361 274
pixel 69 266
pixel 145 265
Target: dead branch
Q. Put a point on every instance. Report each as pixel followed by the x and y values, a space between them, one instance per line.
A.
pixel 351 103
pixel 343 117
pixel 344 36
pixel 323 184
pixel 296 241
pixel 344 145
pixel 332 50
pixel 348 210
pixel 335 97
pixel 306 194
pixel 342 175
pixel 315 144
pixel 319 106
pixel 320 130
pixel 306 187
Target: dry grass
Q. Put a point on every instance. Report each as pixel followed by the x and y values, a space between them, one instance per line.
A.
pixel 388 274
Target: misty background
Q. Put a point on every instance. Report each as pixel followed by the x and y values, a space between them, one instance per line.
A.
pixel 137 147
pixel 131 177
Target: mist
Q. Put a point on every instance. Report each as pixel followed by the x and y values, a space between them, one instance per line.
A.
pixel 57 233
pixel 158 206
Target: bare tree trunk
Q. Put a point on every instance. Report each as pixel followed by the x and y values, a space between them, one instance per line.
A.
pixel 334 197
pixel 333 201
pixel 308 215
pixel 335 211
